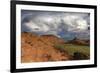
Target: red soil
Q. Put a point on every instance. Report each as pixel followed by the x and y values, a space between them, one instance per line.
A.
pixel 36 48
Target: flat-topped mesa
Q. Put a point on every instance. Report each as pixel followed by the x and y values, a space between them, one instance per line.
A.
pixel 52 38
pixel 79 41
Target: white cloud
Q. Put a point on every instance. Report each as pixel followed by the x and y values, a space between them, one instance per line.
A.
pixel 54 23
pixel 82 24
pixel 75 23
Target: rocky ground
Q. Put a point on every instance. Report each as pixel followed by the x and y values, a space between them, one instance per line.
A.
pixel 35 48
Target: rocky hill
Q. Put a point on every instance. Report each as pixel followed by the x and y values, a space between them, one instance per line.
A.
pixel 35 48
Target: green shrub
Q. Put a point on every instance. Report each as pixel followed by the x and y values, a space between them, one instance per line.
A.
pixel 76 51
pixel 80 56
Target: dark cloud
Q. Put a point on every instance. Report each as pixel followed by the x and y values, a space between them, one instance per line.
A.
pixel 61 24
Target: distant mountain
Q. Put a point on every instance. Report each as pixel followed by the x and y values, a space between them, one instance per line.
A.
pixel 40 48
pixel 79 41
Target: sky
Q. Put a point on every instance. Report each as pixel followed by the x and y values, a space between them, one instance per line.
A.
pixel 66 25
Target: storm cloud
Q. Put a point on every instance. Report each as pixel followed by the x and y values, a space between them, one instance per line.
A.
pixel 61 24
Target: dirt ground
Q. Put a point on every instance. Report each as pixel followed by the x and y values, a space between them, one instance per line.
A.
pixel 36 48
